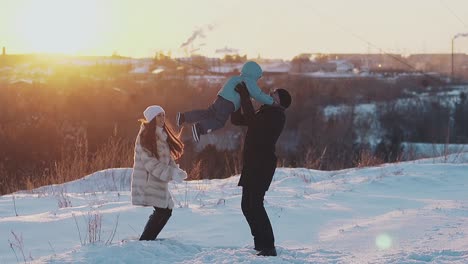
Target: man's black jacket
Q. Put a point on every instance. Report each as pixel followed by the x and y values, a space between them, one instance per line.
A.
pixel 263 129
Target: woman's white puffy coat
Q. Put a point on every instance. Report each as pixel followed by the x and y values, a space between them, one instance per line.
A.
pixel 150 175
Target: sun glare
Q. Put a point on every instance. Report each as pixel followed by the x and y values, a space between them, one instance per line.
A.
pixel 57 26
pixel 383 242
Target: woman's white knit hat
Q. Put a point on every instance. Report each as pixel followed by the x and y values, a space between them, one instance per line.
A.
pixel 152 111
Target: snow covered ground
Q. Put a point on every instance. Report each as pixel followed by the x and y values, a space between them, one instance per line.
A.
pixel 412 212
pixel 413 151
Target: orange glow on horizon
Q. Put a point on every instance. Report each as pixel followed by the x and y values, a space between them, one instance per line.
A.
pixel 269 29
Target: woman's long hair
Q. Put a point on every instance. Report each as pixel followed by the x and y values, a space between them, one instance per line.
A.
pixel 148 139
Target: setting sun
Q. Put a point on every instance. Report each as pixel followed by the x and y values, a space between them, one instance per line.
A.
pixel 58 26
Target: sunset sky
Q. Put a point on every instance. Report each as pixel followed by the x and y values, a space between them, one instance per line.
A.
pixel 269 28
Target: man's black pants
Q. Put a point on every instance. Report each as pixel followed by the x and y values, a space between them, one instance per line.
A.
pixel 257 218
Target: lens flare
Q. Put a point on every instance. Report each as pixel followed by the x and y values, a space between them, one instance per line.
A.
pixel 383 241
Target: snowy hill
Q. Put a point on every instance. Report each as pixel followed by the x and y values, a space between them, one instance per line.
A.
pixel 412 212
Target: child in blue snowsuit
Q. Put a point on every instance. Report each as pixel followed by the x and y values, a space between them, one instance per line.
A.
pixel 227 102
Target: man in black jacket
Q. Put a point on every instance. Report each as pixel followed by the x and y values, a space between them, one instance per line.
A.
pixel 259 161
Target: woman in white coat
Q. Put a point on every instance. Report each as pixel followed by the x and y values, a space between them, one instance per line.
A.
pixel 156 148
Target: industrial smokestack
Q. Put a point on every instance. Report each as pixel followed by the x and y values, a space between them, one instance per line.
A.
pixel 199 33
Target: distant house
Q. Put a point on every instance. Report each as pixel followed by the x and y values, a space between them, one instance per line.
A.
pixel 312 66
pixel 372 61
pixel 208 80
pixel 340 66
pixel 343 66
pixel 274 68
pixel 441 63
pixel 227 68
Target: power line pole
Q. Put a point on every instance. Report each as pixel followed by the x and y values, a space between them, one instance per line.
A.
pixel 452 73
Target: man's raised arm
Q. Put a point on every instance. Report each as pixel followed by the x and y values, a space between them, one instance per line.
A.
pixel 246 104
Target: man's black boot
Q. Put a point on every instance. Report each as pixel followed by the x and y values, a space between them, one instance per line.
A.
pixel 267 252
